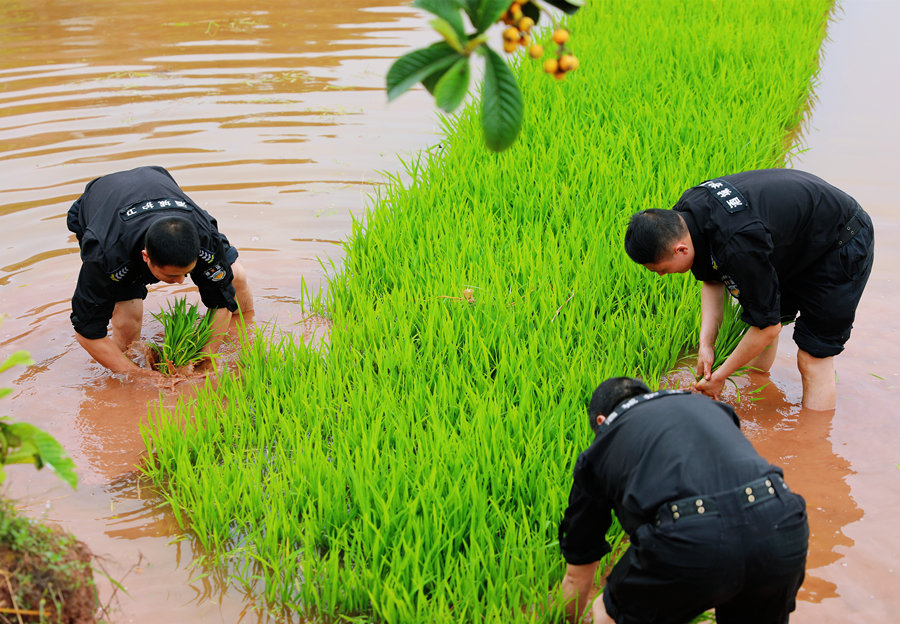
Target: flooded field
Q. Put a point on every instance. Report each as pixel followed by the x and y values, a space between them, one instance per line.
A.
pixel 272 116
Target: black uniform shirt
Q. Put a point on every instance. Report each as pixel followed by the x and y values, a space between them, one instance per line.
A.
pixel 111 218
pixel 791 219
pixel 663 448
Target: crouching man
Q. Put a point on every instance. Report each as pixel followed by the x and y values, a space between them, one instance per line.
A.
pixel 136 228
pixel 711 523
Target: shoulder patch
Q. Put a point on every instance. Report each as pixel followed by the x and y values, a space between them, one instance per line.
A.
pixel 206 255
pixel 215 273
pixel 119 274
pixel 728 196
pixel 147 206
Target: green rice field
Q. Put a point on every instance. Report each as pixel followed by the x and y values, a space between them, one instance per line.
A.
pixel 415 467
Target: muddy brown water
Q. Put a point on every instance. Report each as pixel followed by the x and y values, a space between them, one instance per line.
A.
pixel 271 116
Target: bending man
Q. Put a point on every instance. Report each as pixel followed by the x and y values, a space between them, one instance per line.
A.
pixel 712 524
pixel 136 228
pixel 781 242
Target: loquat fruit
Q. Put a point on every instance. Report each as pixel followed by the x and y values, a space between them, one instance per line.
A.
pixel 525 41
pixel 510 46
pixel 551 66
pixel 568 62
pixel 536 51
pixel 560 36
pixel 511 34
pixel 525 24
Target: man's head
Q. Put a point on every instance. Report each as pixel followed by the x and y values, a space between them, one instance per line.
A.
pixel 660 241
pixel 171 247
pixel 609 394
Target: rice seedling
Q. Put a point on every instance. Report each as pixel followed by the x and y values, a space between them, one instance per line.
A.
pixel 186 332
pixel 416 469
pixel 731 331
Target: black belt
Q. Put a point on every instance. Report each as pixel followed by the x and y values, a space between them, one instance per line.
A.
pixel 849 230
pixel 749 494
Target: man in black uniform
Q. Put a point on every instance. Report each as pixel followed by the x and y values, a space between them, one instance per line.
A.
pixel 781 242
pixel 135 228
pixel 712 524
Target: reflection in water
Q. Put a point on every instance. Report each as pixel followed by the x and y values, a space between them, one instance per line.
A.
pixel 799 440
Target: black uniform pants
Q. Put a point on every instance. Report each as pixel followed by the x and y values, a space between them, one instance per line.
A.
pixel 746 562
pixel 827 294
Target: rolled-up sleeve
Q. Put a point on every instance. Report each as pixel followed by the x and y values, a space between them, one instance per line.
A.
pixel 752 269
pixel 213 277
pixel 92 303
pixel 582 532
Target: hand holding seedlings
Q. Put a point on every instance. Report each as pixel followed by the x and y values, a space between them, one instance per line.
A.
pixel 711 387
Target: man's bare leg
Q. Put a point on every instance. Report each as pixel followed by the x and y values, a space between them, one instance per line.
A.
pixel 763 362
pixel 819 387
pixel 598 612
pixel 127 318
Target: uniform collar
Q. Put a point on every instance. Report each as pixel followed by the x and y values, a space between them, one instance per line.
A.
pixel 626 405
pixel 702 267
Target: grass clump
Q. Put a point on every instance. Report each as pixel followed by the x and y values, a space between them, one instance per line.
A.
pixel 45 574
pixel 186 332
pixel 417 471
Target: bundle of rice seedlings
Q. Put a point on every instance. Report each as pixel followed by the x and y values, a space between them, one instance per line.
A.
pixel 186 333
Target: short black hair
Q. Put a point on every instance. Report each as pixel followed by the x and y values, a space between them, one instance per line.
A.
pixel 612 392
pixel 650 232
pixel 172 241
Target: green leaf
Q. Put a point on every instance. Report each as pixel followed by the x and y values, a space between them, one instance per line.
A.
pixel 450 35
pixel 489 11
pixel 4 392
pixel 447 10
pixel 41 448
pixel 501 103
pixel 418 65
pixel 451 89
pixel 431 81
pixel 471 9
pixel 17 358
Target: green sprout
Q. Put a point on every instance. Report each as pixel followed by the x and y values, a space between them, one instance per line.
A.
pixel 186 333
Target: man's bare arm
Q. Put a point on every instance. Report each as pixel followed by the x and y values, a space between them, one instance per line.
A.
pixel 711 310
pixel 578 589
pixel 108 354
pixel 221 321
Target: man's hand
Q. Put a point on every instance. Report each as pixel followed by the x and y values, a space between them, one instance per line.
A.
pixel 706 357
pixel 151 377
pixel 711 386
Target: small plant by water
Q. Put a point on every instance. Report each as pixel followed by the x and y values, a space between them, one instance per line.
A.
pixel 45 573
pixel 187 332
pixel 23 443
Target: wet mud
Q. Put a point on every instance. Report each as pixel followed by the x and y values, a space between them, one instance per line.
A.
pixel 273 118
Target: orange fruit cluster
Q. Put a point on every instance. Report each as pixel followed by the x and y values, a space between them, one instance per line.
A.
pixel 519 27
pixel 518 34
pixel 564 61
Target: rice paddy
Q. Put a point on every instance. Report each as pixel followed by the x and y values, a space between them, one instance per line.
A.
pixel 416 469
